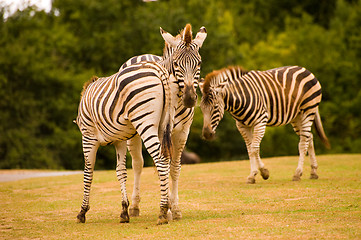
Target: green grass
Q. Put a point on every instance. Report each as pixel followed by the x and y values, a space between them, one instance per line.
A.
pixel 216 203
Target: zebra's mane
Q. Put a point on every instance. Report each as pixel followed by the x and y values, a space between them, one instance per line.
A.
pixel 86 84
pixel 187 37
pixel 216 77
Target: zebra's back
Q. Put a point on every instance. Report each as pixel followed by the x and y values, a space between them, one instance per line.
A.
pixel 140 58
pixel 280 93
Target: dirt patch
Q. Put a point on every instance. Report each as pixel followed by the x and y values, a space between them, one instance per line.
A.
pixel 14 175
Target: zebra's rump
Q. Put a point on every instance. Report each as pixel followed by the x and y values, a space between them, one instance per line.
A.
pixel 115 108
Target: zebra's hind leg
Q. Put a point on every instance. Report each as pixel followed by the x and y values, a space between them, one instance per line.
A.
pixel 302 126
pixel 135 149
pixel 121 148
pixel 90 147
pixel 312 154
pixel 161 161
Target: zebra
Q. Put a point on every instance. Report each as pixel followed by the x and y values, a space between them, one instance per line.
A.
pixel 257 99
pixel 137 100
pixel 182 123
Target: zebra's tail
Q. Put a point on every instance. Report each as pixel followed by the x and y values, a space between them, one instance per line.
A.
pixel 167 142
pixel 320 131
pixel 166 124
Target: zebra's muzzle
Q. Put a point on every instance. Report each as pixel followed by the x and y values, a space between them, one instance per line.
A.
pixel 208 133
pixel 189 97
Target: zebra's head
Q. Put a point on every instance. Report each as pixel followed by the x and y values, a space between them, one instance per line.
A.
pixel 212 104
pixel 186 61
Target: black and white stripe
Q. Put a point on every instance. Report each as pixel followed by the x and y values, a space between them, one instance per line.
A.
pixel 257 99
pixel 140 58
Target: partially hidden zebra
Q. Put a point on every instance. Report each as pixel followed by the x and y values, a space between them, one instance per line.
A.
pixel 182 59
pixel 182 122
pixel 137 100
pixel 257 99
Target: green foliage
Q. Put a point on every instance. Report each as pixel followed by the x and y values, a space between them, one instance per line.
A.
pixel 46 57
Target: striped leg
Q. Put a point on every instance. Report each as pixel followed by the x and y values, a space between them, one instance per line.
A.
pixel 153 146
pixel 258 133
pixel 253 141
pixel 90 147
pixel 135 149
pixel 121 149
pixel 247 135
pixel 179 139
pixel 312 154
pixel 302 126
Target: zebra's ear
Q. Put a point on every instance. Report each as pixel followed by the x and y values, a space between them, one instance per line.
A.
pixel 168 38
pixel 200 37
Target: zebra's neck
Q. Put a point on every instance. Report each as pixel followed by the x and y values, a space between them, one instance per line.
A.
pixel 167 59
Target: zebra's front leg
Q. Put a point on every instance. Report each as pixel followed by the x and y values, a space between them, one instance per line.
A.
pixel 247 135
pixel 135 149
pixel 90 147
pixel 121 148
pixel 253 152
pixel 179 139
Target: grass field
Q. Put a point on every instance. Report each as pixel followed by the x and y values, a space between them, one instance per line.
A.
pixel 216 203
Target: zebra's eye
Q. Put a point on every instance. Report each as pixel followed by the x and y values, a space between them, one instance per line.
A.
pixel 175 64
pixel 199 63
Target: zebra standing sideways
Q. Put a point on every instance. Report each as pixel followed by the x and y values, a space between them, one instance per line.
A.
pixel 189 61
pixel 137 100
pixel 257 99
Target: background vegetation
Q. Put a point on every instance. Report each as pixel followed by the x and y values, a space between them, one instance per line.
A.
pixel 45 57
pixel 215 200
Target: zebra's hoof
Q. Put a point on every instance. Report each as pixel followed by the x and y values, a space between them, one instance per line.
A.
pixel 163 216
pixel 313 176
pixel 296 178
pixel 264 173
pixel 177 214
pixel 251 180
pixel 134 212
pixel 122 220
pixel 81 217
pixel 162 220
pixel 124 217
